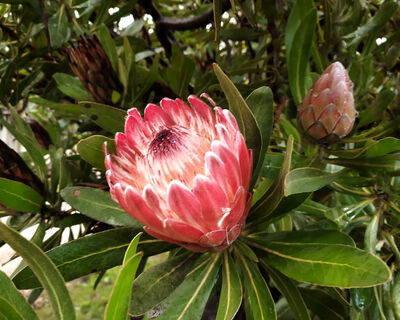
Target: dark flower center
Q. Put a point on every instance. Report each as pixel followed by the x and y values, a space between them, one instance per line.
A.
pixel 165 142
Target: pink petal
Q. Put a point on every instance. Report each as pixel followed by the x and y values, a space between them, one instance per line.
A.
pixel 212 200
pixel 230 161
pixel 135 134
pixel 218 172
pixel 245 160
pixel 234 233
pixel 307 117
pixel 202 109
pixel 343 126
pixel 185 204
pixel 181 231
pixel 160 236
pixel 329 117
pixel 213 238
pixel 207 96
pixel 223 134
pixel 317 131
pixel 321 101
pixel 152 200
pixel 237 209
pixel 134 204
pixel 226 118
pixel 135 114
pixel 122 146
pixel 156 118
pixel 178 110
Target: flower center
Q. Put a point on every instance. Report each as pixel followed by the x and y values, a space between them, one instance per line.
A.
pixel 166 141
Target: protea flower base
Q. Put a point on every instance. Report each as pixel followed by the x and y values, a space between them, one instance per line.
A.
pixel 327 113
pixel 184 173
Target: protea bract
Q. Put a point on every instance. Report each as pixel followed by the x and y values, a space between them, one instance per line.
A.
pixel 327 112
pixel 90 63
pixel 184 173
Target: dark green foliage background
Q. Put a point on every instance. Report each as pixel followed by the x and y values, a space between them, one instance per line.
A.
pixel 322 236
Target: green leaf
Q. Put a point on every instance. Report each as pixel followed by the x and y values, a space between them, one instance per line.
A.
pixel 257 295
pixel 188 301
pixel 309 179
pixel 376 110
pixel 158 282
pixel 182 65
pixel 18 196
pixel 290 291
pixel 396 295
pixel 231 290
pixel 91 150
pixel 361 298
pixel 71 86
pixel 108 45
pixel 240 34
pixel 288 204
pixel 299 10
pixel 132 248
pixel 305 237
pixel 44 269
pixel 270 201
pixel 31 146
pixel 289 128
pixel 217 9
pixel 97 204
pixel 324 305
pixel 118 303
pixel 109 118
pixel 9 293
pixel 372 149
pixel 297 59
pixel 244 117
pixel 383 15
pixel 324 264
pixel 58 28
pixel 9 311
pixel 101 251
pixel 261 104
pixel 151 76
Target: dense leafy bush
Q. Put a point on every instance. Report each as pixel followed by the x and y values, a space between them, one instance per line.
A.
pixel 321 237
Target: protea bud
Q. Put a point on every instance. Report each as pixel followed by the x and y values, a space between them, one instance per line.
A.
pixel 12 167
pixel 41 135
pixel 90 63
pixel 327 112
pixel 184 173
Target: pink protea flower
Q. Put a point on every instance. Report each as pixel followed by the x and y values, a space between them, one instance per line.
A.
pixel 184 173
pixel 327 112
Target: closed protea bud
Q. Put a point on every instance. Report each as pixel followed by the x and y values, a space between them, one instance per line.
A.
pixel 184 173
pixel 327 112
pixel 90 63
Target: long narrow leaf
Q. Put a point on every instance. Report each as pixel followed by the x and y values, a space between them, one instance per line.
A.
pixel 45 270
pixel 11 294
pixel 257 294
pixel 231 291
pixel 245 118
pixel 289 290
pixel 118 303
pixel 188 301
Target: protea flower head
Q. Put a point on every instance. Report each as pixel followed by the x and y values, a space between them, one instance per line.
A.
pixel 90 63
pixel 184 173
pixel 327 112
